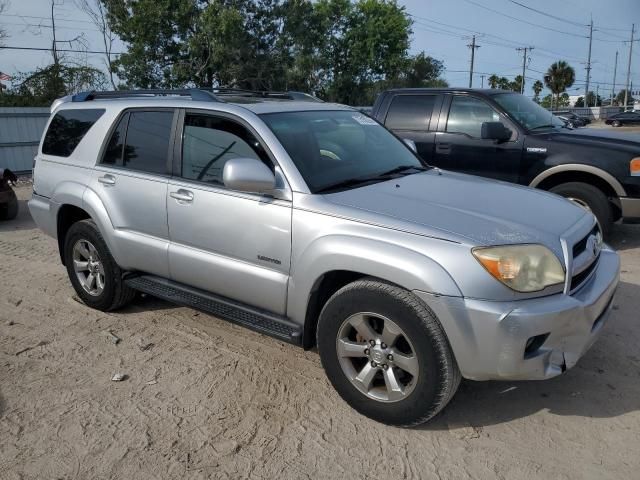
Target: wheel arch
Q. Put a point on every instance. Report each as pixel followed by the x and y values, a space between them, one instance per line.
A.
pixel 594 176
pixel 330 263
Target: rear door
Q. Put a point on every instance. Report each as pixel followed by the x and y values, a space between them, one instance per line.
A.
pixel 415 117
pixel 230 243
pixel 460 147
pixel 131 180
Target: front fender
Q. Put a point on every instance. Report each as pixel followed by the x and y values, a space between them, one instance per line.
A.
pixel 394 263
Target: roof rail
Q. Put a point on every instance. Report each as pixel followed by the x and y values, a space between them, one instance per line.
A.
pixel 195 94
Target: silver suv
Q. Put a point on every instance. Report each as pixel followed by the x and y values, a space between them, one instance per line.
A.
pixel 310 222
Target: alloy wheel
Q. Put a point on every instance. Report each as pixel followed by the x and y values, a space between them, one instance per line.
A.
pixel 88 267
pixel 377 357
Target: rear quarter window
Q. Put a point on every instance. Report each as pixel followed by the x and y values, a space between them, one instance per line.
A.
pixel 67 129
pixel 410 112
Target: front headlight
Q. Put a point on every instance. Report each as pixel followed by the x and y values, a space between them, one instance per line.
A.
pixel 523 268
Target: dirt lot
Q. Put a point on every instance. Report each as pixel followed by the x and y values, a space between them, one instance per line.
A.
pixel 211 400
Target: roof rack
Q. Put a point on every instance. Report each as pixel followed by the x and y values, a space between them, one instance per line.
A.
pixel 196 94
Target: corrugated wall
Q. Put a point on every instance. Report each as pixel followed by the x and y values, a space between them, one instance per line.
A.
pixel 20 132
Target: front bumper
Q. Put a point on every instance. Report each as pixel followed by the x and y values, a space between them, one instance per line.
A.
pixel 630 208
pixel 489 338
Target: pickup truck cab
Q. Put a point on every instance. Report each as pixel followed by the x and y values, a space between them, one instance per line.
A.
pixel 505 136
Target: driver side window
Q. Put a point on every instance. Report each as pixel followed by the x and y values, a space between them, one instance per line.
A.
pixel 209 142
pixel 467 114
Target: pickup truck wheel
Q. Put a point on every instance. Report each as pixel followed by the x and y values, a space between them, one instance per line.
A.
pixel 616 123
pixel 93 272
pixel 590 198
pixel 386 354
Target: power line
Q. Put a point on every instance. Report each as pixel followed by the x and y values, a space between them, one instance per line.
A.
pixel 560 19
pixel 40 49
pixel 524 21
pixel 46 18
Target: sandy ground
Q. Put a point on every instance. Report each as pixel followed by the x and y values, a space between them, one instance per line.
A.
pixel 212 400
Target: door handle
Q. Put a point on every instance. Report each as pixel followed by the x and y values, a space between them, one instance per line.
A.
pixel 443 148
pixel 107 180
pixel 182 195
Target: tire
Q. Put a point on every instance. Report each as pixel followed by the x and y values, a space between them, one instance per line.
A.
pixel 114 293
pixel 9 210
pixel 591 198
pixel 422 342
pixel 616 123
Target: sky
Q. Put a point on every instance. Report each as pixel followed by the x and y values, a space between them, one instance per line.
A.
pixel 442 28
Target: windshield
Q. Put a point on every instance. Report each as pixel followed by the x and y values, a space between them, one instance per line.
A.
pixel 340 148
pixel 526 111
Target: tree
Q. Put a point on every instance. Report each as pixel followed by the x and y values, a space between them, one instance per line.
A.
pixel 493 80
pixel 516 84
pixel 44 85
pixel 558 78
pixel 537 88
pixel 96 11
pixel 340 49
pixel 620 98
pixel 4 4
pixel 592 101
pixel 423 71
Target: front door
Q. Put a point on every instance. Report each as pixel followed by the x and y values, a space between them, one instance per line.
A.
pixel 131 181
pixel 233 244
pixel 460 147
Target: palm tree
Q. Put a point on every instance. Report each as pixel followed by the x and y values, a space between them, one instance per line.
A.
pixel 493 81
pixel 559 77
pixel 537 88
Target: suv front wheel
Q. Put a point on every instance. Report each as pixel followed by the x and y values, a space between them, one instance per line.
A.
pixel 93 272
pixel 386 354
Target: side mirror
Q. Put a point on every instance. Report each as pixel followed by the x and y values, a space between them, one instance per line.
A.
pixel 411 144
pixel 248 175
pixel 495 131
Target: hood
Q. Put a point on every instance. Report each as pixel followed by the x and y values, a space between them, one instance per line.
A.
pixel 596 137
pixel 484 212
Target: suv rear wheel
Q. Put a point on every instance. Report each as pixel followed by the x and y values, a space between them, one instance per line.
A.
pixel 590 198
pixel 386 354
pixel 93 272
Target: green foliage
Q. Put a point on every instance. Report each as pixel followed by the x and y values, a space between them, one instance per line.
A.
pixel 591 100
pixel 559 77
pixel 620 98
pixel 537 88
pixel 41 87
pixel 504 83
pixel 341 50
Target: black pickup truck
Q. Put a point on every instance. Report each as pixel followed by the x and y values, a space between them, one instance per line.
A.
pixel 506 136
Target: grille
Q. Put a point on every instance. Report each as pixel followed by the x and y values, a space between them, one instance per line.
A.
pixel 581 246
pixel 579 278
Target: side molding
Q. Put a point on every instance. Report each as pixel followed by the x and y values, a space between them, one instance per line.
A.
pixel 572 167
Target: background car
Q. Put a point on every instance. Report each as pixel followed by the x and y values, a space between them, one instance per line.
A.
pixel 577 120
pixel 570 122
pixel 624 118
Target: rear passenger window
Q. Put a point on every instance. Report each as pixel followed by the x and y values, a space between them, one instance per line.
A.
pixel 66 130
pixel 209 142
pixel 410 112
pixel 140 142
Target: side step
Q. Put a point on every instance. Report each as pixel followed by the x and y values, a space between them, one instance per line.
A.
pixel 247 316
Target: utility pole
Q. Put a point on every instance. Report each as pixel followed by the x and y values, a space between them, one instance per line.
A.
pixel 586 88
pixel 626 90
pixel 482 78
pixel 613 86
pixel 473 47
pixel 597 93
pixel 524 64
pixel 54 49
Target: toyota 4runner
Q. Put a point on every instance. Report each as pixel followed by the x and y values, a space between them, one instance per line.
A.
pixel 311 222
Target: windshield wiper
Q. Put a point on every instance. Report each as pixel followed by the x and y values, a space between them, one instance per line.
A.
pixel 544 126
pixel 401 169
pixel 378 177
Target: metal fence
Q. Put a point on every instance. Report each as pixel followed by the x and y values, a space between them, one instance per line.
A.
pixel 594 113
pixel 20 132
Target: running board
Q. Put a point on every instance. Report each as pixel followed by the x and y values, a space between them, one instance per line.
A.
pixel 247 316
